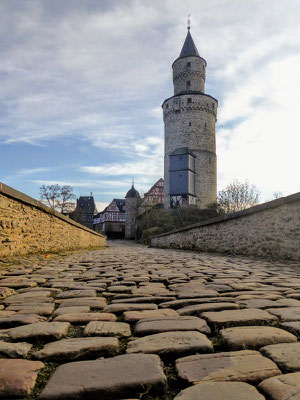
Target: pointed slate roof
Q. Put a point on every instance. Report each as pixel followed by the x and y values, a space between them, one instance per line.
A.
pixel 189 48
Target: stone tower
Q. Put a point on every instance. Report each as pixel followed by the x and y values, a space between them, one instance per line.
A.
pixel 132 200
pixel 189 118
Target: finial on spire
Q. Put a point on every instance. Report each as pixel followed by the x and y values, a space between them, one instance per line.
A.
pixel 189 22
pixel 132 181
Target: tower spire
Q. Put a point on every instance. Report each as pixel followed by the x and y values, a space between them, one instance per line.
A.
pixel 189 48
pixel 189 22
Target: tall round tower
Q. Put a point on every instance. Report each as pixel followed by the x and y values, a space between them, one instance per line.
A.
pixel 190 147
pixel 132 200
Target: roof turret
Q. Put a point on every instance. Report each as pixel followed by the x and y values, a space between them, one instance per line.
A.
pixel 132 193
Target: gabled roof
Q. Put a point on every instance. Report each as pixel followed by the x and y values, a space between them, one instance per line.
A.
pixel 153 186
pixel 120 203
pixel 189 48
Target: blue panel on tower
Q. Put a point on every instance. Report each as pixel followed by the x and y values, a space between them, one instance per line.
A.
pixel 182 159
pixel 182 172
pixel 182 182
pixel 179 162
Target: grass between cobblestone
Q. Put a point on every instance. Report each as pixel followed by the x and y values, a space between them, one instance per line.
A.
pixel 174 386
pixel 74 332
pixel 42 379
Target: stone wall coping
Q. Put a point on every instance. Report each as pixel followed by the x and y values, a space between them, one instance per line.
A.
pixel 23 198
pixel 223 218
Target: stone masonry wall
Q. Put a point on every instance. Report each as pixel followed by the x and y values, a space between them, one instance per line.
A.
pixel 271 230
pixel 28 226
pixel 130 217
pixel 192 125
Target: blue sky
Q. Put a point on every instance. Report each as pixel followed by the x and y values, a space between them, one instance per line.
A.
pixel 82 83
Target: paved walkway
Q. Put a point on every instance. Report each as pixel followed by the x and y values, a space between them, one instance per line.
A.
pixel 129 322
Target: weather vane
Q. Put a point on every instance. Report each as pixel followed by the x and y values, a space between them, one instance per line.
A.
pixel 189 22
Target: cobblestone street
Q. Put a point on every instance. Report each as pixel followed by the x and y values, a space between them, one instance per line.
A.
pixel 131 322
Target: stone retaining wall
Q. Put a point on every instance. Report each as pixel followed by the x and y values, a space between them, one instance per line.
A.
pixel 28 226
pixel 270 229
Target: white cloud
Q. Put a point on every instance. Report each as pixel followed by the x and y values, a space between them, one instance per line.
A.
pixel 86 184
pixel 99 73
pixel 134 169
pixel 101 205
pixel 264 146
pixel 33 171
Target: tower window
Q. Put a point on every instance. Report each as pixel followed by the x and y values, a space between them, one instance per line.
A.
pixel 189 100
pixel 188 65
pixel 190 124
pixel 188 85
pixel 167 106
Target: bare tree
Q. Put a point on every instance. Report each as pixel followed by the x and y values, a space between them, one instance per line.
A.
pixel 57 197
pixel 237 196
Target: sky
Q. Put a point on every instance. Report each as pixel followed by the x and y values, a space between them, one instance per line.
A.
pixel 82 83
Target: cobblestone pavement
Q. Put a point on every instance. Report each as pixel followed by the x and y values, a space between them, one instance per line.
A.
pixel 129 322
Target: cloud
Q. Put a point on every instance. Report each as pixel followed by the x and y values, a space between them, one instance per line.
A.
pixel 101 205
pixel 86 184
pixel 96 73
pixel 64 67
pixel 264 146
pixel 138 168
pixel 33 171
